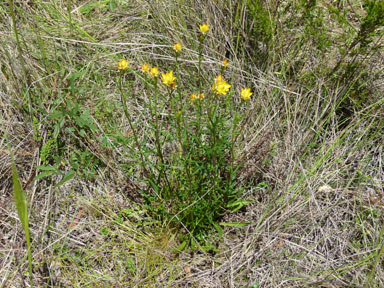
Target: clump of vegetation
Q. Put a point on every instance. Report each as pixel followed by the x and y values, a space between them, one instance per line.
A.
pixel 189 159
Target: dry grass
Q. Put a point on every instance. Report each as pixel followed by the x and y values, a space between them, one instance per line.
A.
pixel 316 185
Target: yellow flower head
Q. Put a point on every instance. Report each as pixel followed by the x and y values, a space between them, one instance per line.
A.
pixel 168 79
pixel 177 47
pixel 195 97
pixel 204 28
pixel 246 94
pixel 145 68
pixel 154 71
pixel 221 86
pixel 225 63
pixel 123 64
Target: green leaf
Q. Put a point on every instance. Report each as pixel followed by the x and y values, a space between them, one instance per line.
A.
pixel 219 229
pixel 193 244
pixel 44 174
pixel 181 246
pixel 67 177
pixel 22 211
pixel 56 131
pixel 47 168
pixel 82 133
pixel 234 224
pixel 20 201
pixel 237 205
pixel 58 127
pixel 76 75
pixel 56 115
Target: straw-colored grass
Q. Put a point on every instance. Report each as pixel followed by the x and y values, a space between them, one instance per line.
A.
pixel 311 150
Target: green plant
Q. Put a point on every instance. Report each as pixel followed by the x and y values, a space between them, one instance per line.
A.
pixel 188 161
pixel 48 151
pixel 22 211
pixel 69 119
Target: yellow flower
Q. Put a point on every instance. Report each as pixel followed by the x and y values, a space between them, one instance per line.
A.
pixel 168 79
pixel 221 86
pixel 204 28
pixel 177 47
pixel 246 94
pixel 195 97
pixel 225 63
pixel 154 71
pixel 145 68
pixel 123 64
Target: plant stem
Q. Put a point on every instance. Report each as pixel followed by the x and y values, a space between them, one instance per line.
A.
pixel 124 102
pixel 201 39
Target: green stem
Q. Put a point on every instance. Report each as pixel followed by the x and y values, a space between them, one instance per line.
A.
pixel 125 109
pixel 155 117
pixel 201 39
pixel 180 104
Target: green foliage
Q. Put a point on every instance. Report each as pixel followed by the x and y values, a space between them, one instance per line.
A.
pixel 48 150
pixel 91 7
pixel 297 36
pixel 373 21
pixel 69 119
pixel 258 31
pixel 74 118
pixel 263 26
pixel 84 163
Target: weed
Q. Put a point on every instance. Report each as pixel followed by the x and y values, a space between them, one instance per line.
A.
pixel 192 174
